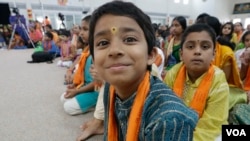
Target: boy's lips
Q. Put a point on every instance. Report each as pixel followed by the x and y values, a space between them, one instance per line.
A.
pixel 197 60
pixel 117 65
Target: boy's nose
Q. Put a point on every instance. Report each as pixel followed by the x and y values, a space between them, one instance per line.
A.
pixel 197 50
pixel 115 49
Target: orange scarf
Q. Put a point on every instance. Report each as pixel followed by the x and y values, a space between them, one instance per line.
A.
pixel 79 77
pixel 247 80
pixel 199 100
pixel 135 114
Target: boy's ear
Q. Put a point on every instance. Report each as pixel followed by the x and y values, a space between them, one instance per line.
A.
pixel 214 52
pixel 152 56
pixel 181 53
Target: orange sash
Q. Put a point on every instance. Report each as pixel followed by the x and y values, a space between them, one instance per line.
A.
pixel 199 99
pixel 79 74
pixel 247 80
pixel 135 114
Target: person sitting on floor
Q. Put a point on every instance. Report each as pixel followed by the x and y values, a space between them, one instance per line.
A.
pixel 82 42
pixel 67 50
pixel 80 96
pixel 50 50
pixel 200 84
pixel 17 42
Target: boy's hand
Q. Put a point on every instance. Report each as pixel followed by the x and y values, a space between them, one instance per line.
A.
pixel 245 57
pixel 95 74
pixel 70 93
pixel 69 77
pixel 71 86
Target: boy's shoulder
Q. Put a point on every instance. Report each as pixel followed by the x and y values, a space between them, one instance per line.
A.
pixel 163 103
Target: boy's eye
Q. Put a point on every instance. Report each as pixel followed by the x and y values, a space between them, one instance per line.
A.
pixel 102 43
pixel 189 46
pixel 205 46
pixel 130 40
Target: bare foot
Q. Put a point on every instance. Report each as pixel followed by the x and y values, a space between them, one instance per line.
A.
pixel 90 128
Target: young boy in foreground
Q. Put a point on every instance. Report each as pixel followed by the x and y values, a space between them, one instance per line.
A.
pixel 138 106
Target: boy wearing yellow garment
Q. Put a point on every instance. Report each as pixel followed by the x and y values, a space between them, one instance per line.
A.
pixel 201 85
pixel 225 60
pixel 137 106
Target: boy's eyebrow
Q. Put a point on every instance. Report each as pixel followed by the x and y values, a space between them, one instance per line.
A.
pixel 129 29
pixel 101 33
pixel 122 29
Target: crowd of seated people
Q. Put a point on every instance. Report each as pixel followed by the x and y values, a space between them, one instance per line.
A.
pixel 205 67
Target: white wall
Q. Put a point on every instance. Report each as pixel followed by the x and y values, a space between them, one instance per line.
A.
pixel 157 9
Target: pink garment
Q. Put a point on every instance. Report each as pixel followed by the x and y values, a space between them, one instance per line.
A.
pixel 36 35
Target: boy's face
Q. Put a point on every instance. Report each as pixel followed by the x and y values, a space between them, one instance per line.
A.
pixel 46 38
pixel 198 52
pixel 76 29
pixel 63 37
pixel 247 41
pixel 120 50
pixel 85 31
pixel 47 29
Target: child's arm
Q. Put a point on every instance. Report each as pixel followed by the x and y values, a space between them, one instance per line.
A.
pixel 245 57
pixel 73 92
pixel 216 111
pixel 72 54
pixel 69 72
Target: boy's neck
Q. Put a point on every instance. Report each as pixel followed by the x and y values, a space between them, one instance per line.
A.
pixel 193 76
pixel 125 91
pixel 124 94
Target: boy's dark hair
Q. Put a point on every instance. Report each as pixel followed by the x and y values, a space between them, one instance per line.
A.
pixel 49 26
pixel 201 17
pixel 244 36
pixel 87 18
pixel 199 27
pixel 212 22
pixel 64 32
pixel 216 26
pixel 49 35
pixel 127 9
pixel 182 21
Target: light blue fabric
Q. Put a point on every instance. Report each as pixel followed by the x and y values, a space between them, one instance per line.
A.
pixel 87 100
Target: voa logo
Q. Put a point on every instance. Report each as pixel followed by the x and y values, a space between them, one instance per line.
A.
pixel 236 132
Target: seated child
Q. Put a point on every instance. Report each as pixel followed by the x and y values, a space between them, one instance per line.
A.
pixel 17 42
pixel 81 95
pixel 225 60
pixel 50 50
pixel 35 34
pixel 245 60
pixel 67 51
pixel 82 42
pixel 71 70
pixel 201 85
pixel 138 106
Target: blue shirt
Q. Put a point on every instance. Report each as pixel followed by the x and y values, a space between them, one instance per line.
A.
pixel 164 118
